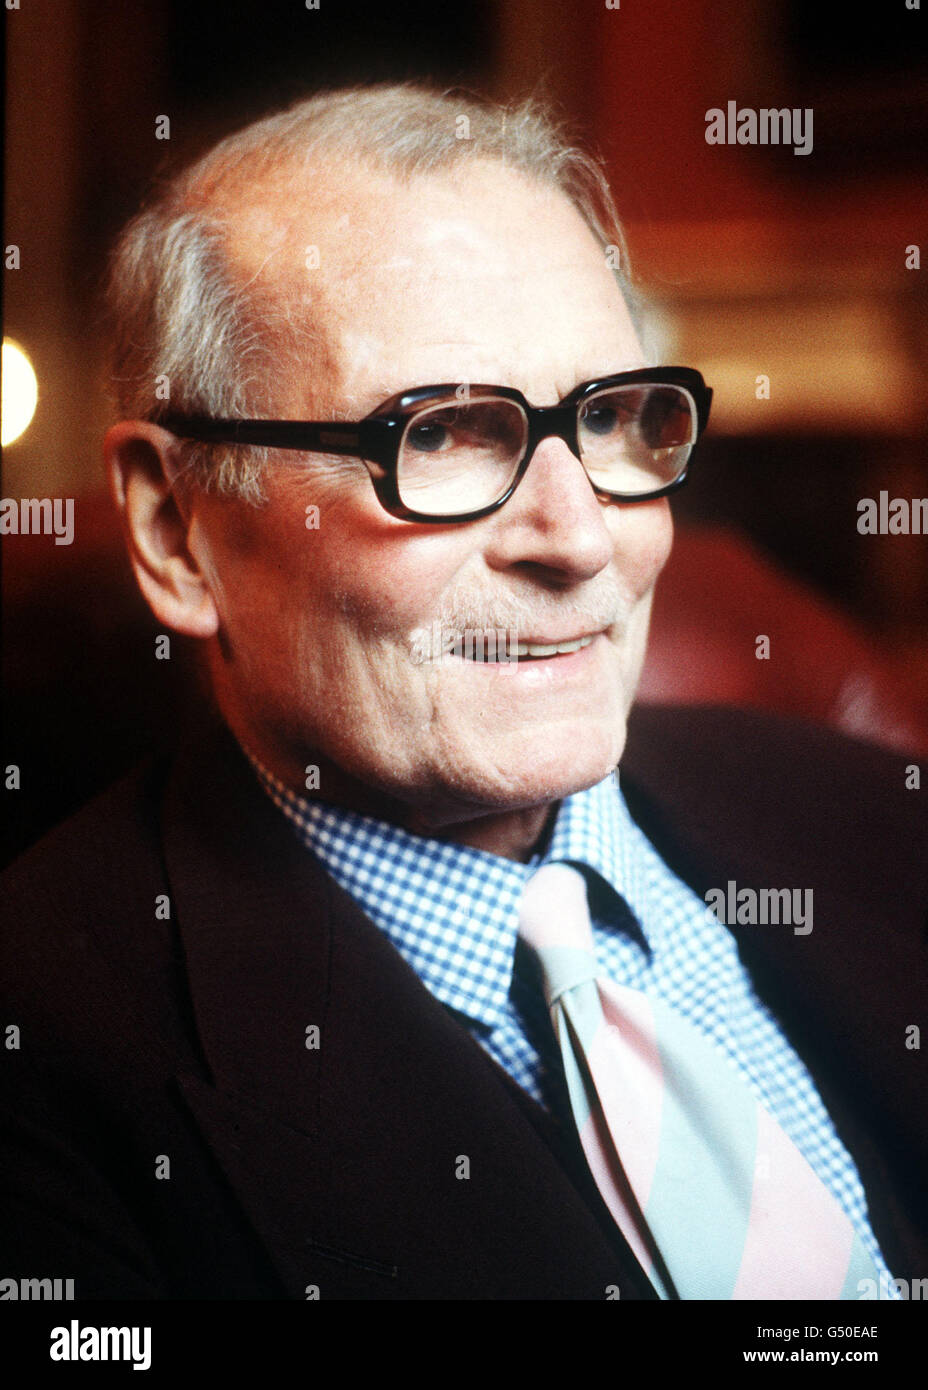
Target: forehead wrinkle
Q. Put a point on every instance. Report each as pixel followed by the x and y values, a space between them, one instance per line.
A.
pixel 269 224
pixel 323 303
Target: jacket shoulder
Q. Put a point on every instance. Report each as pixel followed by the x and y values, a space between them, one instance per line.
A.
pixel 803 793
pixel 80 906
pixel 82 857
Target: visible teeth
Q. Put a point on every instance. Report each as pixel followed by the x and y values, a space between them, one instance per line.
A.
pixel 511 651
pixel 540 649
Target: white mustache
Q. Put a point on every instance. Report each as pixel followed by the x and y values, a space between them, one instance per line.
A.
pixel 604 605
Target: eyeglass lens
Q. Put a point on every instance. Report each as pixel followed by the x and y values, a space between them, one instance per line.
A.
pixel 461 456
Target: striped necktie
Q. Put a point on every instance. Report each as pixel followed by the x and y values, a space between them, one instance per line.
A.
pixel 712 1196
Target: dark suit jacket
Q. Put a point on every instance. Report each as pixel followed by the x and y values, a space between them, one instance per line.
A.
pixel 168 1133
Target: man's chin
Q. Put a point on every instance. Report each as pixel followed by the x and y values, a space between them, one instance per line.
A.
pixel 538 771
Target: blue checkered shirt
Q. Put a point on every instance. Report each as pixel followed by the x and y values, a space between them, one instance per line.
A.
pixel 452 912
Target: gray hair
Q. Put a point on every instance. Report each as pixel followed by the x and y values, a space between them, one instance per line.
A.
pixel 183 329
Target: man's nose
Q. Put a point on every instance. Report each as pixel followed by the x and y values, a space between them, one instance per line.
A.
pixel 553 520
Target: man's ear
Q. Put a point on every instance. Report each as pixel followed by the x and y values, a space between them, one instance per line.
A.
pixel 140 466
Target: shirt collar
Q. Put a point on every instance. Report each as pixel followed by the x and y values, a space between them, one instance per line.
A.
pixel 452 911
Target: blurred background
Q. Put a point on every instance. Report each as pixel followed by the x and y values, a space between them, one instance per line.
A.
pixel 759 262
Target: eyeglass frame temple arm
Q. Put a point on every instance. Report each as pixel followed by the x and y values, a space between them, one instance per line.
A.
pixel 362 438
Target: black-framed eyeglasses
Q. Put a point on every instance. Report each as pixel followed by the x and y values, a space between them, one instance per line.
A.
pixel 457 452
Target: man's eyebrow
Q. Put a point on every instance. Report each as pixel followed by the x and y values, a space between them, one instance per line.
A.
pixel 358 406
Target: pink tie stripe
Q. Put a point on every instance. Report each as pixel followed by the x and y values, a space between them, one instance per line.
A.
pixel 779 1256
pixel 615 1126
pixel 693 1169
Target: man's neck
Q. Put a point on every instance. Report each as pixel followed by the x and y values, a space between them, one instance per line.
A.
pixel 511 834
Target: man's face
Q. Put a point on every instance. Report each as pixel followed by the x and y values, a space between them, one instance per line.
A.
pixel 477 276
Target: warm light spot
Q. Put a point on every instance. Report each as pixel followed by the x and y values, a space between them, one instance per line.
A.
pixel 20 392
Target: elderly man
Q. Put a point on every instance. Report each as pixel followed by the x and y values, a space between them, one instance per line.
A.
pixel 314 1011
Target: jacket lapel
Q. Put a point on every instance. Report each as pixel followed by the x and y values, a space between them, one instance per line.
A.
pixel 346 1156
